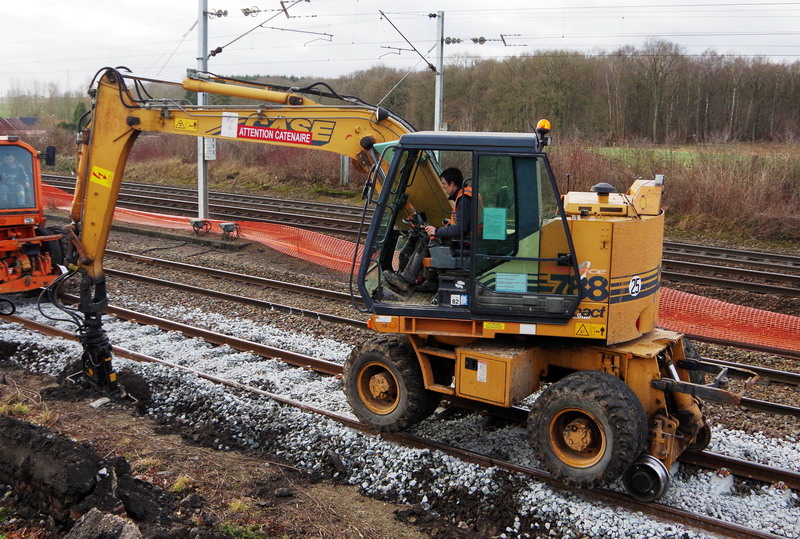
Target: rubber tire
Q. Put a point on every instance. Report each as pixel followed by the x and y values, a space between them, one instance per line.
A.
pixel 612 404
pixel 56 248
pixel 695 377
pixel 414 402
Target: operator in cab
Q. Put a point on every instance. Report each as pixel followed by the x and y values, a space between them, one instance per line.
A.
pixel 458 227
pixel 15 183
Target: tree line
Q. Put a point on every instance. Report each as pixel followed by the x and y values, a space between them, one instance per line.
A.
pixel 656 94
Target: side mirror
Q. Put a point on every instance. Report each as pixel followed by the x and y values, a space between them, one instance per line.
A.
pixel 50 156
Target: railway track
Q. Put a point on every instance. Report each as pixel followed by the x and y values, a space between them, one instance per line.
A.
pixel 316 216
pixel 304 290
pixel 752 404
pixel 747 470
pixel 750 271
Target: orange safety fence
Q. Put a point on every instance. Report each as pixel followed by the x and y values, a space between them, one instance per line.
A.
pixel 715 319
pixel 678 311
pixel 318 248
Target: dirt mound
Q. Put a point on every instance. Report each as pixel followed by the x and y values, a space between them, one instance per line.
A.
pixel 64 480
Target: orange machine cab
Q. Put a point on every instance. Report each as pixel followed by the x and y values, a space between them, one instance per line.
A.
pixel 29 252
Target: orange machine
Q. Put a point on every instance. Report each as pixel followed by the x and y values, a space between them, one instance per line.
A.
pixel 30 253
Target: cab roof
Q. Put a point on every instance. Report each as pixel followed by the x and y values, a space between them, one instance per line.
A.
pixel 463 140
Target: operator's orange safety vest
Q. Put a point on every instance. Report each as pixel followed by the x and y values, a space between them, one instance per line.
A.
pixel 463 191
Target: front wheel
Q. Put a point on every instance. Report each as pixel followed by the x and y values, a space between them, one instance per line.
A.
pixel 587 428
pixel 383 384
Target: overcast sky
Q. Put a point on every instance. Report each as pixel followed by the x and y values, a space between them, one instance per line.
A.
pixel 65 42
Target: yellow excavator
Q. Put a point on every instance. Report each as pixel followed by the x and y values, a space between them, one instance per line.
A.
pixel 545 300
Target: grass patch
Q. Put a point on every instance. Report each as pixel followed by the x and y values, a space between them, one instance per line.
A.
pixel 144 464
pixel 239 506
pixel 181 484
pixel 13 405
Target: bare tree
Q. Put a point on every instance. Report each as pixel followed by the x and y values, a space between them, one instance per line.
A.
pixel 658 61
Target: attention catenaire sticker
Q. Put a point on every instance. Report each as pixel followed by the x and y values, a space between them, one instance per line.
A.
pixel 274 135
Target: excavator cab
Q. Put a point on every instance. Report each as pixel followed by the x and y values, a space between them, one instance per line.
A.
pixel 515 263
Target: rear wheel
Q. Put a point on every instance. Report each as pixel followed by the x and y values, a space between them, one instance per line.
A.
pixel 56 248
pixel 383 384
pixel 587 428
pixel 695 377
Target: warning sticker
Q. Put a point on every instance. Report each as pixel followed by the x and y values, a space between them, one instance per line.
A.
pixel 276 135
pixel 101 176
pixel 182 124
pixel 590 331
pixel 497 326
pixel 482 371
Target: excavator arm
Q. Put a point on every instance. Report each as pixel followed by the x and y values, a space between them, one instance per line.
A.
pixel 272 116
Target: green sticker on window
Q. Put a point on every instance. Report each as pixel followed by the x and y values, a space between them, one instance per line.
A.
pixel 494 223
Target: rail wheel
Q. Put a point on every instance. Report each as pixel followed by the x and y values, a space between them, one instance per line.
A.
pixel 587 428
pixel 701 440
pixel 647 479
pixel 383 384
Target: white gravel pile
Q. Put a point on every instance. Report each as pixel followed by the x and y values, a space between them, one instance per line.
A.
pixel 457 490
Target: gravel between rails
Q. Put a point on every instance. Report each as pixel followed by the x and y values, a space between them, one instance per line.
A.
pixel 462 492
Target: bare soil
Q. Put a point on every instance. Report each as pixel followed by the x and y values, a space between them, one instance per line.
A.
pixel 167 481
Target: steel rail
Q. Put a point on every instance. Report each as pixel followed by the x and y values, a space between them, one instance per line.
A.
pixel 764 264
pixel 602 495
pixel 727 283
pixel 733 255
pixel 68 184
pixel 514 414
pixel 742 468
pixel 784 352
pixel 764 374
pixel 222 274
pixel 734 272
pixel 331 294
pixel 237 299
pixel 306 215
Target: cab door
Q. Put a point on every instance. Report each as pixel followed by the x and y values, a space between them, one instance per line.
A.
pixel 524 264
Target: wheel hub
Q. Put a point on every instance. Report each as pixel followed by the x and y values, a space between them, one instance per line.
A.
pixel 578 435
pixel 378 389
pixel 647 479
pixel 380 386
pixel 577 438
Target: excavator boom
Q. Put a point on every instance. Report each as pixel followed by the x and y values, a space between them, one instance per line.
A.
pixel 122 108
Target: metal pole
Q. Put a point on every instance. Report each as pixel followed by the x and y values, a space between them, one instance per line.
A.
pixel 439 90
pixel 202 66
pixel 344 170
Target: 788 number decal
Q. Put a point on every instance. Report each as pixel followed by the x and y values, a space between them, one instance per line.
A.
pixel 595 288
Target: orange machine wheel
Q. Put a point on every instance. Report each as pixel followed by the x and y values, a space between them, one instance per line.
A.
pixel 587 428
pixel 383 383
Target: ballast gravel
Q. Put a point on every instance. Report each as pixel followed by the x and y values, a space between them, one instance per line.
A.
pixel 459 491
